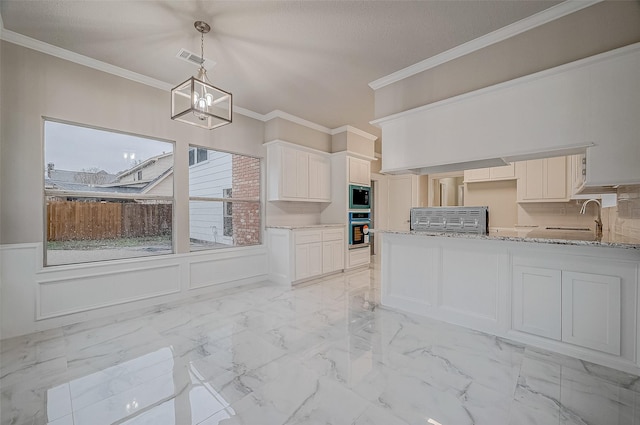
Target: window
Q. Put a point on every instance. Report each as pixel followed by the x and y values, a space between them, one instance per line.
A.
pixel 224 200
pixel 202 155
pixel 197 155
pixel 96 206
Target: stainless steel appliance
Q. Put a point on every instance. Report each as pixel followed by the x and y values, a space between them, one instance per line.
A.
pixel 359 197
pixel 451 219
pixel 359 223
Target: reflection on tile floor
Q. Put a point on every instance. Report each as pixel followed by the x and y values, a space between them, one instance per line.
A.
pixel 322 353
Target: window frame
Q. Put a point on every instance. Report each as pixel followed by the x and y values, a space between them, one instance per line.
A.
pixel 102 195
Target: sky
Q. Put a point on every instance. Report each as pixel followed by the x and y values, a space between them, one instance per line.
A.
pixel 75 148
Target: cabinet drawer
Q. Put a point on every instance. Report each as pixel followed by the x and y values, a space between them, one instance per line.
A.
pixel 308 236
pixel 359 256
pixel 333 235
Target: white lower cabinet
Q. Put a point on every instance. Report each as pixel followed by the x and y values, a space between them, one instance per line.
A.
pixel 582 309
pixel 591 311
pixel 537 295
pixel 580 301
pixel 332 250
pixel 304 253
pixel 359 257
pixel 308 260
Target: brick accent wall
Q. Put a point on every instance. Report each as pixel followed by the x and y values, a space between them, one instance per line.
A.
pixel 246 215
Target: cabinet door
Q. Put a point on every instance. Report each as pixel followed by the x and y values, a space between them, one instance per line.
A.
pixel 591 311
pixel 359 171
pixel 332 256
pixel 302 261
pixel 479 174
pixel 501 173
pixel 302 171
pixel 555 178
pixel 537 298
pixel 533 180
pixel 400 202
pixel 337 253
pixel 315 259
pixel 319 177
pixel 327 257
pixel 289 173
pixel 308 260
pixel 577 172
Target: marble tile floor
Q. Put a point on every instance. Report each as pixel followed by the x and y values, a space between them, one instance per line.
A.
pixel 321 353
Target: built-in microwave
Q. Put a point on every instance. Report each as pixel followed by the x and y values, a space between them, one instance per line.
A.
pixel 359 197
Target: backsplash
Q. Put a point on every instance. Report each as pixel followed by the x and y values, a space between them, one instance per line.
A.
pixel 624 220
pixel 284 213
pixel 565 214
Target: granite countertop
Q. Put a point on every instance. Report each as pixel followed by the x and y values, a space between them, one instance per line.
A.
pixel 540 235
pixel 305 226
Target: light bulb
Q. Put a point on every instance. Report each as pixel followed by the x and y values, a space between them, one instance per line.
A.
pixel 209 98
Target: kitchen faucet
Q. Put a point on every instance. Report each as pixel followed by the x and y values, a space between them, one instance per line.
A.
pixel 598 220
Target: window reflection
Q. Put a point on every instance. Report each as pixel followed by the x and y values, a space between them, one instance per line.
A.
pixel 149 389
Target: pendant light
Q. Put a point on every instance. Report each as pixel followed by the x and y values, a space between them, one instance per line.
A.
pixel 197 101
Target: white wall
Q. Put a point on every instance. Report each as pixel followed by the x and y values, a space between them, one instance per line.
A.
pixel 35 85
pixel 592 102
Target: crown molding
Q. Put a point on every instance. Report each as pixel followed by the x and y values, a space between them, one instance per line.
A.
pixel 580 63
pixel 40 46
pixel 32 43
pixel 355 131
pixel 276 113
pixel 248 113
pixel 555 12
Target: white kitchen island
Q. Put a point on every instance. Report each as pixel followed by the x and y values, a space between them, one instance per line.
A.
pixel 578 298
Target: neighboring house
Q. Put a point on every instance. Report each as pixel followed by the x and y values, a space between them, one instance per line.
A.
pixel 210 175
pixel 153 176
pixel 88 177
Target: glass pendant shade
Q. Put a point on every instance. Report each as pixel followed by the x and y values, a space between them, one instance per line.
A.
pixel 201 104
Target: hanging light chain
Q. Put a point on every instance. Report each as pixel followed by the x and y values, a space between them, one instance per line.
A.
pixel 202 49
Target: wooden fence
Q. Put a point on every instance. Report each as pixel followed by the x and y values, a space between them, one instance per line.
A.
pixel 67 220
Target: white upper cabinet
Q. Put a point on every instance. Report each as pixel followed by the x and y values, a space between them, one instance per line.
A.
pixel 297 174
pixel 543 180
pixel 359 171
pixel 614 126
pixel 578 171
pixel 319 177
pixel 506 172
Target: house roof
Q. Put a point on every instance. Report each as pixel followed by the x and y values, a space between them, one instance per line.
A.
pixel 69 181
pixel 82 187
pixel 146 163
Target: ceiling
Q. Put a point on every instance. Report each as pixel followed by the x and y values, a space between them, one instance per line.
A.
pixel 312 59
